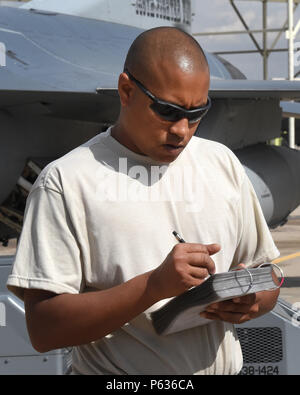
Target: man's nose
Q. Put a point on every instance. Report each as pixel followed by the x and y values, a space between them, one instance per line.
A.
pixel 180 128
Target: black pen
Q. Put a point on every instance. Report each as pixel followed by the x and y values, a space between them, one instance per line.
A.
pixel 180 239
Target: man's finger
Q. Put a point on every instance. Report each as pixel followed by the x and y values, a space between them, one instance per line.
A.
pixel 213 248
pixel 202 260
pixel 209 249
pixel 233 318
pixel 199 272
pixel 230 307
pixel 246 299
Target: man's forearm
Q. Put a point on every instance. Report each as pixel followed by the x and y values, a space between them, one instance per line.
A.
pixel 68 320
pixel 267 300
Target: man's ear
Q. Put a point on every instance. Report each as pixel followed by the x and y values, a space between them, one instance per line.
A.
pixel 125 88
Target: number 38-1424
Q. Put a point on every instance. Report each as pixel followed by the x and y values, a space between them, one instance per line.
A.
pixel 271 370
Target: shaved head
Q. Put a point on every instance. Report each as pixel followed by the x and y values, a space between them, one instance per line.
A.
pixel 164 46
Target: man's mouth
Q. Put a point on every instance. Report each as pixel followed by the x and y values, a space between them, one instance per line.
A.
pixel 174 147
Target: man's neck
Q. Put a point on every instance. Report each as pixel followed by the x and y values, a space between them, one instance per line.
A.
pixel 119 134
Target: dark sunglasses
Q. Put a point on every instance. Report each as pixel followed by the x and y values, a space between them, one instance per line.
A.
pixel 169 111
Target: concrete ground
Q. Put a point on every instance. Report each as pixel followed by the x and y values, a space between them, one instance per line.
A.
pixel 10 249
pixel 287 239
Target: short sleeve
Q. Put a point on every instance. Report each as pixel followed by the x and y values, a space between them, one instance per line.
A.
pixel 48 256
pixel 255 244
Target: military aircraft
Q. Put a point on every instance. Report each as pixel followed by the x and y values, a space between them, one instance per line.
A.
pixel 58 88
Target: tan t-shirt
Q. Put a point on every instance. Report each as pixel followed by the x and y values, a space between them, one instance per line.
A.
pixel 102 215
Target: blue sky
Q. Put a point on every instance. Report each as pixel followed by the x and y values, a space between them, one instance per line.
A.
pixel 216 15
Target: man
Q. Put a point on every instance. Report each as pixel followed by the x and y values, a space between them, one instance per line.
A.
pixel 97 252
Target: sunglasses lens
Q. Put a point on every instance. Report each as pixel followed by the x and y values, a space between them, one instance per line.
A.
pixel 172 114
pixel 165 111
pixel 196 117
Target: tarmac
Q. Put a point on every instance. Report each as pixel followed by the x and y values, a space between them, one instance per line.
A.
pixel 287 240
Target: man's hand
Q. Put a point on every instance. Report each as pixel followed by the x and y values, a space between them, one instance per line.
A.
pixel 186 266
pixel 237 310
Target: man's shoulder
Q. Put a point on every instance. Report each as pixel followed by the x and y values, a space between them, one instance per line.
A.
pixel 212 149
pixel 67 167
pixel 217 157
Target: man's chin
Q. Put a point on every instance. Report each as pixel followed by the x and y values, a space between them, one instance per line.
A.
pixel 164 153
pixel 167 153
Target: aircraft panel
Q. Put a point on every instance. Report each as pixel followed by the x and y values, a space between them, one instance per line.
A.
pixel 255 89
pixel 140 13
pixel 101 107
pixel 65 52
pixel 274 1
